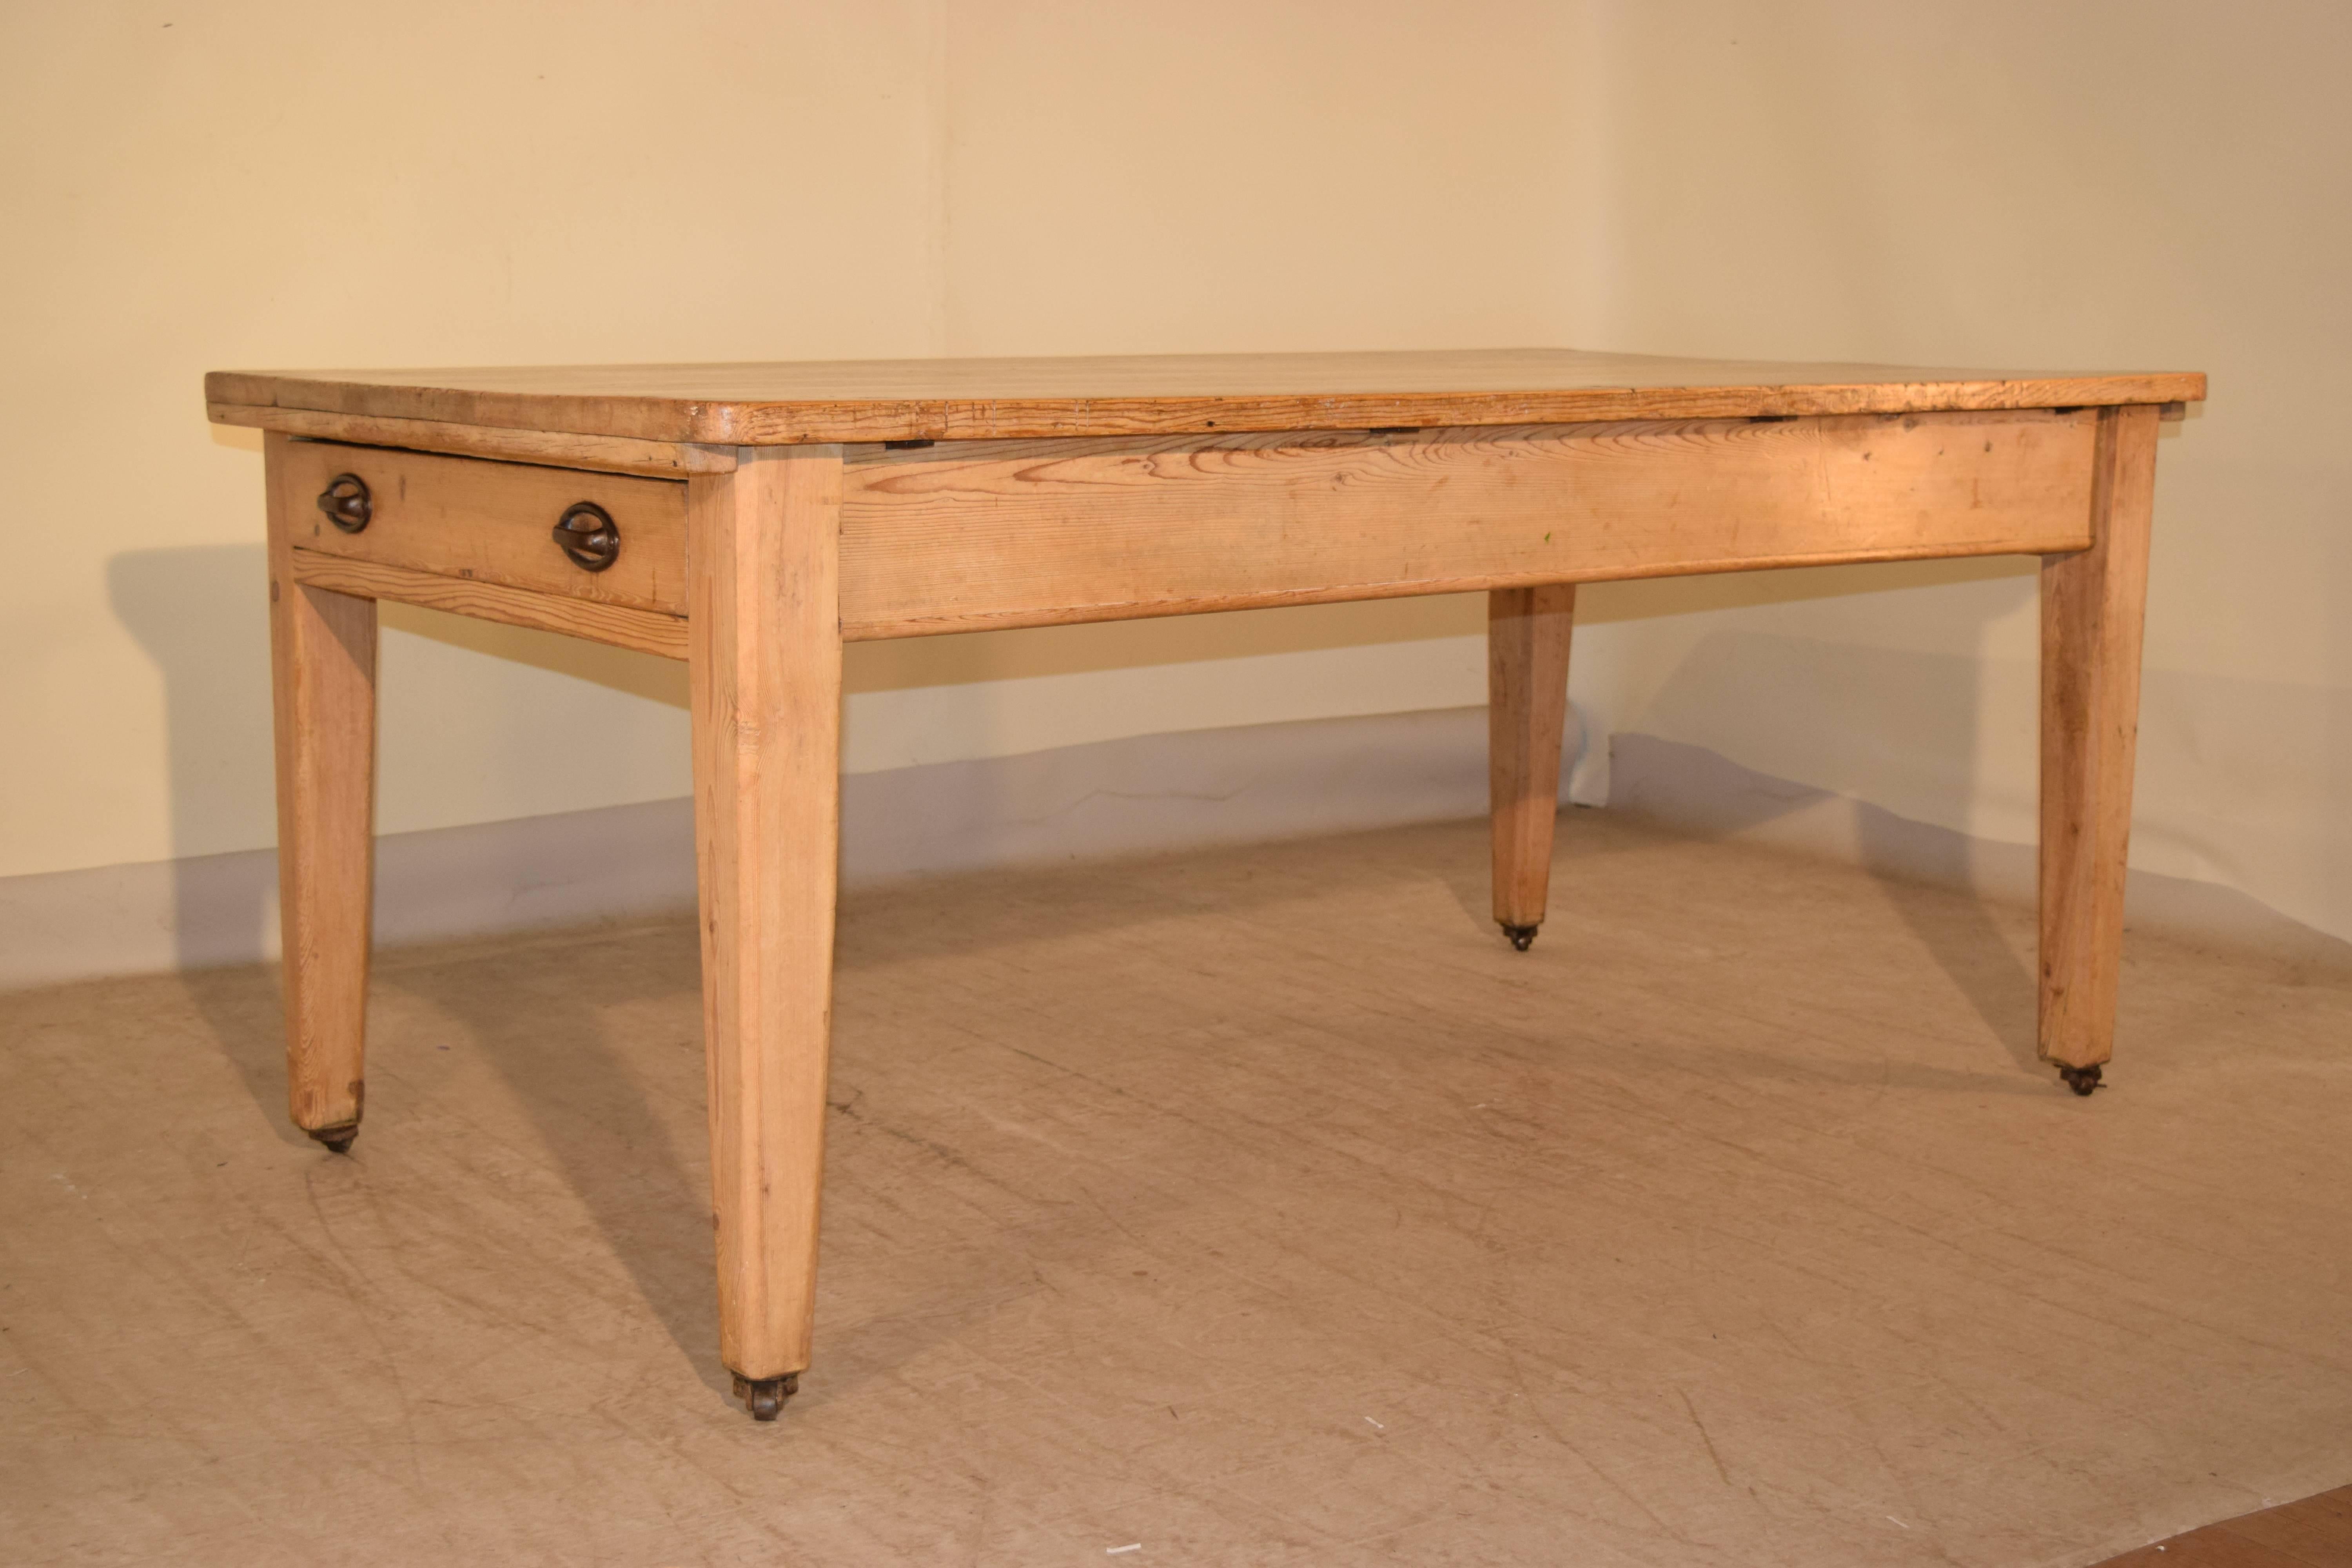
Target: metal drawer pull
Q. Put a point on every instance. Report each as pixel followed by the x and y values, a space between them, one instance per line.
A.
pixel 345 502
pixel 589 536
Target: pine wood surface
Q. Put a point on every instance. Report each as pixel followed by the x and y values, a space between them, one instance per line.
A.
pixel 1110 490
pixel 954 537
pixel 2093 605
pixel 766 698
pixel 465 517
pixel 1527 635
pixel 963 535
pixel 648 631
pixel 875 400
pixel 322 650
pixel 613 454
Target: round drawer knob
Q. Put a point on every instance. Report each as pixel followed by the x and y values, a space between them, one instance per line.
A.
pixel 589 536
pixel 345 501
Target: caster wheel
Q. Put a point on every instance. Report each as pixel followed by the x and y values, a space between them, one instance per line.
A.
pixel 765 1396
pixel 2082 1080
pixel 1521 936
pixel 337 1139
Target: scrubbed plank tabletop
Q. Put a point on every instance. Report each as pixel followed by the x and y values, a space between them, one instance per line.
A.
pixel 945 399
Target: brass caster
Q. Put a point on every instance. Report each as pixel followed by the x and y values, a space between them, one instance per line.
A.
pixel 1521 935
pixel 338 1138
pixel 765 1396
pixel 2082 1080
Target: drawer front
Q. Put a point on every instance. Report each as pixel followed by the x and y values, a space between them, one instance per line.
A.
pixel 490 521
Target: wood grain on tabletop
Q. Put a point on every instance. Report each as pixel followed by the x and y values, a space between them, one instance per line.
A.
pixel 874 400
pixel 614 453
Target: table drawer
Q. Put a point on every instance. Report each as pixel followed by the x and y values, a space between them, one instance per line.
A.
pixel 491 522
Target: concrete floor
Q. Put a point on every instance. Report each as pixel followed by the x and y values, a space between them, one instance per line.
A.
pixel 1256 1207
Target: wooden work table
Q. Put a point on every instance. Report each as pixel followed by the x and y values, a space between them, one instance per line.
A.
pixel 750 518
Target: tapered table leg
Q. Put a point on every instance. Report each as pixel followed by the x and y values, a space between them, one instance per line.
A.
pixel 322 678
pixel 2092 612
pixel 765 638
pixel 1527 632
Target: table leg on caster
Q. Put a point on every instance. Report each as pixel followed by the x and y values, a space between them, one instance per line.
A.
pixel 322 650
pixel 765 645
pixel 1527 632
pixel 2092 604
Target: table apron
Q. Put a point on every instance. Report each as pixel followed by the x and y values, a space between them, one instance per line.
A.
pixel 964 535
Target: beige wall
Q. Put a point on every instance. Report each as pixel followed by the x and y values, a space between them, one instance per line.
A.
pixel 2124 185
pixel 2104 185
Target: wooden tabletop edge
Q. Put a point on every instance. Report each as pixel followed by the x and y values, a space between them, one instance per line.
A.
pixel 244 398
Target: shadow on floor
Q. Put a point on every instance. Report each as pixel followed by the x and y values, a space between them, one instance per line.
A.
pixel 620 1123
pixel 1921 871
